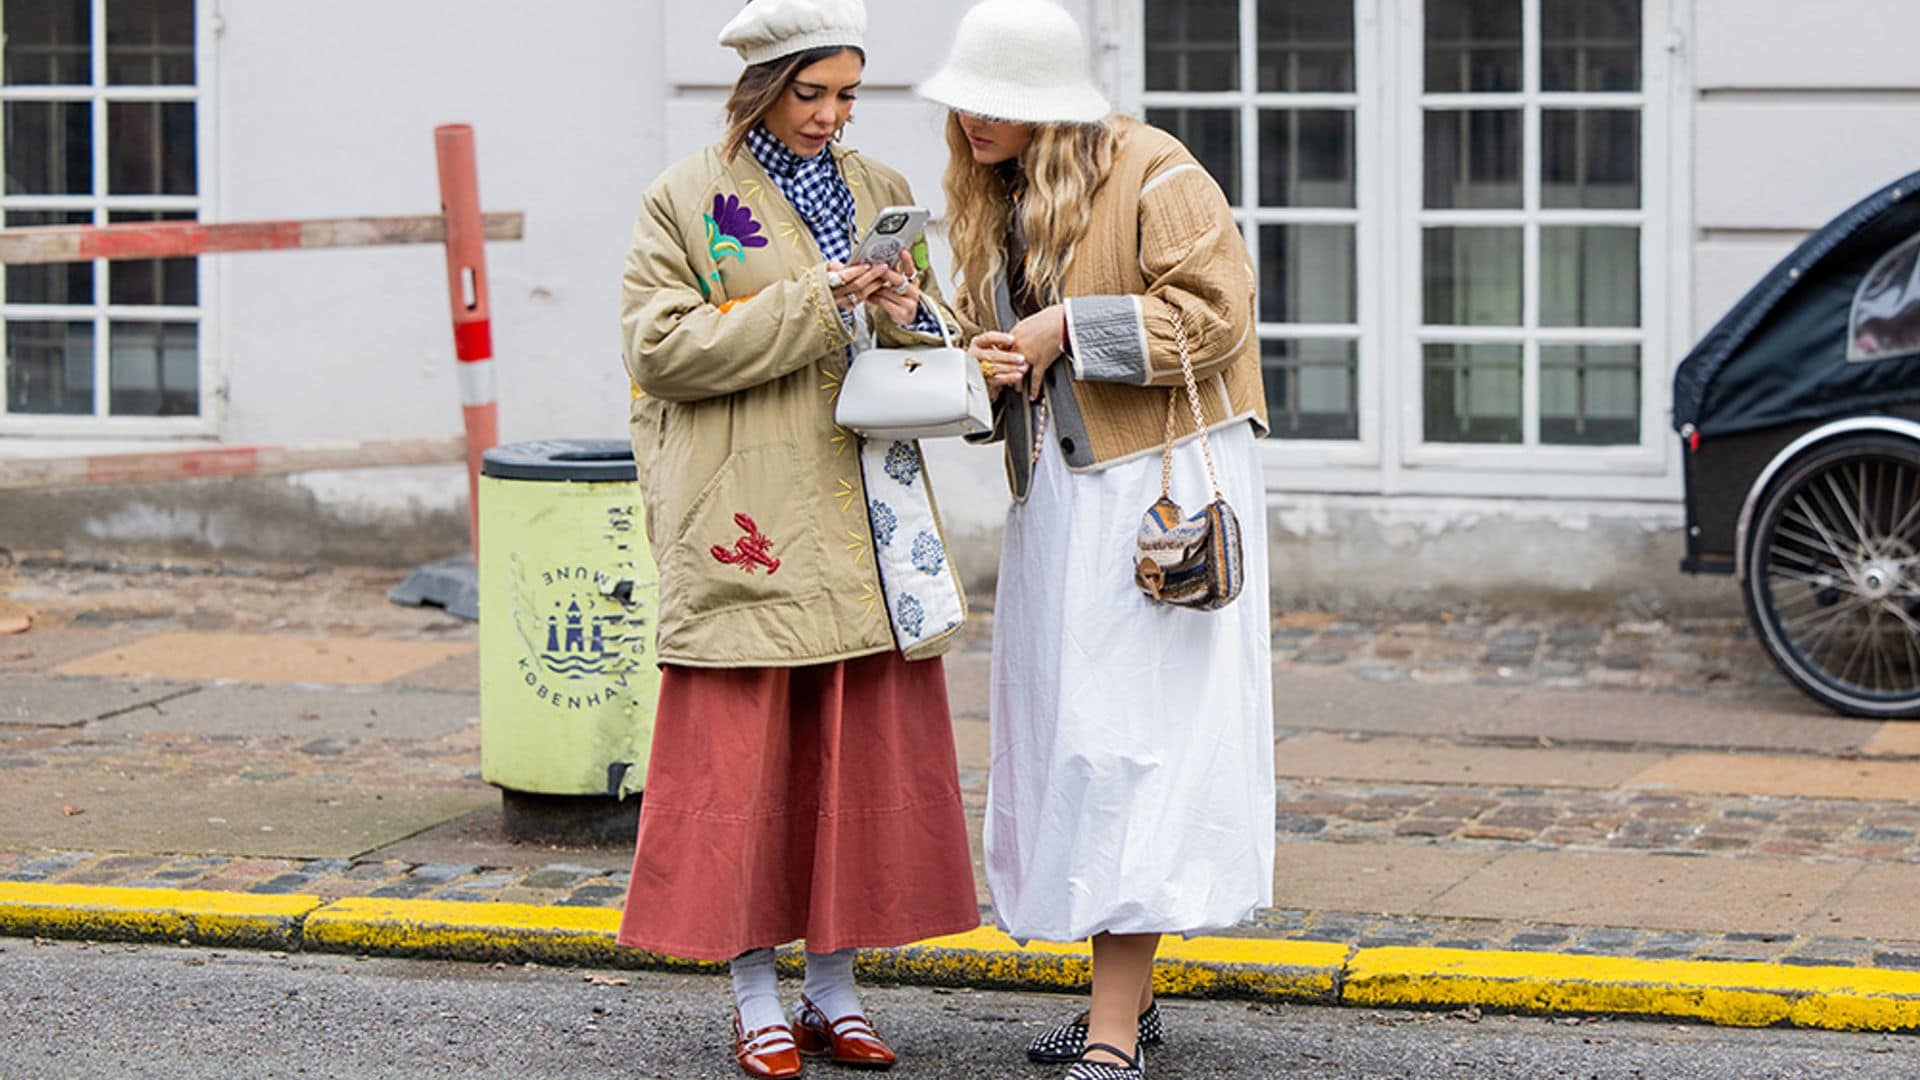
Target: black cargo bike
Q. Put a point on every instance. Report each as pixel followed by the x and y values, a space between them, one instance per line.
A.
pixel 1799 414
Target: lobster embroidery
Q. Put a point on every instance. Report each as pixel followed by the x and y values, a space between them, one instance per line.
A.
pixel 750 550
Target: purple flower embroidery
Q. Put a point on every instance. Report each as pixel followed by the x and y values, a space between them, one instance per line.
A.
pixel 731 229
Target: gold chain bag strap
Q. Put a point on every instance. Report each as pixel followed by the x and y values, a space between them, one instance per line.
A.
pixel 1192 562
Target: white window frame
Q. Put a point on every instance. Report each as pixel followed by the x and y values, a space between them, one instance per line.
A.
pixel 98 94
pixel 1389 457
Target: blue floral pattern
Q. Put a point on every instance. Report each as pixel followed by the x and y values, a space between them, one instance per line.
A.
pixel 884 520
pixel 913 617
pixel 903 463
pixel 929 555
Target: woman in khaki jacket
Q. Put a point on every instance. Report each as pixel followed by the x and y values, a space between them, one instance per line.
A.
pixel 1131 790
pixel 802 782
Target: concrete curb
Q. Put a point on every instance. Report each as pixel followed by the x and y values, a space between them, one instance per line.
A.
pixel 1728 994
pixel 1723 993
pixel 241 920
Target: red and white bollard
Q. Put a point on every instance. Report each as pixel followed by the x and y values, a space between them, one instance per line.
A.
pixel 467 291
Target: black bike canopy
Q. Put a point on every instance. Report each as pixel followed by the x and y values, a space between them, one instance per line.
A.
pixel 1833 330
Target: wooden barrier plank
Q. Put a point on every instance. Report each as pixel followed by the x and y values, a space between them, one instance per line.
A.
pixel 164 240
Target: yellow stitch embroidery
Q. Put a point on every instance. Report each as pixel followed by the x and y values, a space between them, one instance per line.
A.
pixel 870 598
pixel 857 547
pixel 842 438
pixel 847 494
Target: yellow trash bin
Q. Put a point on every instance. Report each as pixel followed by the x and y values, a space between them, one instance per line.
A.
pixel 568 598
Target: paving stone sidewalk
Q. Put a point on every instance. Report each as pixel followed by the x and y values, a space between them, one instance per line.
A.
pixel 84 606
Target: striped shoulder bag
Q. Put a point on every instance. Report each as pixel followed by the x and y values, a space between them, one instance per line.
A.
pixel 1192 562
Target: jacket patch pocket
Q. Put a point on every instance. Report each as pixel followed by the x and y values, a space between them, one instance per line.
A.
pixel 750 535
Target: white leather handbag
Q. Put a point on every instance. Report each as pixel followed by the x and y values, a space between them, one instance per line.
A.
pixel 915 393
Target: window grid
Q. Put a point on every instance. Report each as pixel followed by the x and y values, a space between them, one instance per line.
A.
pixel 1531 217
pixel 99 95
pixel 1248 104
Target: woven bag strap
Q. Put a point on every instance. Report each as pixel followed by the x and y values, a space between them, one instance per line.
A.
pixel 1199 417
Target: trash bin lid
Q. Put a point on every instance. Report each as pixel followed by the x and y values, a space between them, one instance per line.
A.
pixel 590 460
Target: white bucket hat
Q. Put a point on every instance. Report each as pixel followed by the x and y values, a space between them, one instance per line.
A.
pixel 1020 60
pixel 767 30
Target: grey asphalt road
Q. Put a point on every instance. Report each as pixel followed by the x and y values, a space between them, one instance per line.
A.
pixel 73 1011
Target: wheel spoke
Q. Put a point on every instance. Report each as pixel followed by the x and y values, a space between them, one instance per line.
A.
pixel 1820 527
pixel 1878 656
pixel 1912 640
pixel 1825 616
pixel 1912 515
pixel 1821 581
pixel 1905 629
pixel 1853 657
pixel 1816 550
pixel 1846 510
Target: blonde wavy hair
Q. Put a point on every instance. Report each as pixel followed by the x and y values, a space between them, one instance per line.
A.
pixel 1065 167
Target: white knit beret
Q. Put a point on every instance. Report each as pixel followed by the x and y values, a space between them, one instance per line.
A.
pixel 1020 60
pixel 770 29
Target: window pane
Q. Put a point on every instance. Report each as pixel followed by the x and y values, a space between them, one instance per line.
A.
pixel 1307 274
pixel 1306 157
pixel 49 42
pixel 1589 276
pixel 155 369
pixel 49 148
pixel 50 368
pixel 172 282
pixel 1472 277
pixel 1590 159
pixel 1306 46
pixel 1313 388
pixel 51 283
pixel 1473 46
pixel 1590 46
pixel 1193 44
pixel 1214 137
pixel 150 42
pixel 1473 160
pixel 1472 393
pixel 1590 395
pixel 150 148
pixel 1886 308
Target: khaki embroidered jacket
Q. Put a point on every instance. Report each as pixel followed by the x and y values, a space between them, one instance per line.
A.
pixel 756 508
pixel 1162 245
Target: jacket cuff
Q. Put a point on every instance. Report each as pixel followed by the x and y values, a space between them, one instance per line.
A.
pixel 1107 339
pixel 836 325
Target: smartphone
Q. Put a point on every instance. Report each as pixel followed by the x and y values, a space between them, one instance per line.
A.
pixel 894 233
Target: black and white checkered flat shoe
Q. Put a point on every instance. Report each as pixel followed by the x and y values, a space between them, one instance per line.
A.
pixel 1134 1069
pixel 1057 1046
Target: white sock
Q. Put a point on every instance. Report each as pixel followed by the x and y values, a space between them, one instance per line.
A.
pixel 829 984
pixel 756 990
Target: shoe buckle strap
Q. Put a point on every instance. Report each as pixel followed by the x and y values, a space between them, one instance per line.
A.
pixel 853 1024
pixel 770 1039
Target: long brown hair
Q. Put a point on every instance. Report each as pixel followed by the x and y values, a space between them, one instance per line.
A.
pixel 1065 165
pixel 759 89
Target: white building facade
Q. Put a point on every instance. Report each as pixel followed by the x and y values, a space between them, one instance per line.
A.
pixel 1486 231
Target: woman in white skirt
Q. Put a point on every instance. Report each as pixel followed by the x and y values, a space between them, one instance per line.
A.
pixel 1131 788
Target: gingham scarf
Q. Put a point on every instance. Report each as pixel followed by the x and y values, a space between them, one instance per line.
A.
pixel 814 187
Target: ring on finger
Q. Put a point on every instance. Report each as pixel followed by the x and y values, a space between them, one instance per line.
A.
pixel 902 288
pixel 834 280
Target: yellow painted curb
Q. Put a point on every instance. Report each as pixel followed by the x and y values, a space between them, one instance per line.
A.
pixel 1729 994
pixel 517 933
pixel 1193 967
pixel 109 914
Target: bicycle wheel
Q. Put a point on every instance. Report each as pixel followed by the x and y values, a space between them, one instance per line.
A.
pixel 1833 575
